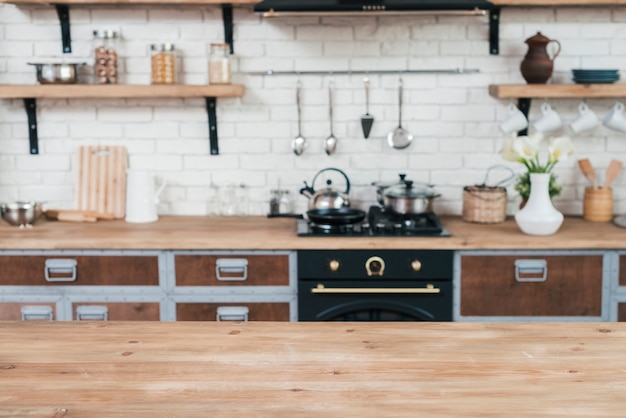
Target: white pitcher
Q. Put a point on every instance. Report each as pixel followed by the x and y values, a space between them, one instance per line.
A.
pixel 141 197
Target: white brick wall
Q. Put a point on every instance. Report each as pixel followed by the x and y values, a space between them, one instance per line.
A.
pixel 453 118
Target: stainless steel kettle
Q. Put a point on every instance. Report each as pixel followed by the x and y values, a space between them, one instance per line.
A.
pixel 329 197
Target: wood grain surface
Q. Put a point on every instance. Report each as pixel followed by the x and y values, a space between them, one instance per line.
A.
pixel 269 369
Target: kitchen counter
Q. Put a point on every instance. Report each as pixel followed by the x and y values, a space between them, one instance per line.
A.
pixel 199 369
pixel 262 233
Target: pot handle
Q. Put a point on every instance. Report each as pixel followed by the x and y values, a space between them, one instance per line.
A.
pixel 333 169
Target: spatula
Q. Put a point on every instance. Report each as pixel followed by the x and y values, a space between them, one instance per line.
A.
pixel 612 171
pixel 367 120
pixel 588 171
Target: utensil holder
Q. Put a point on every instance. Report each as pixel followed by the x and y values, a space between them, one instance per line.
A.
pixel 598 204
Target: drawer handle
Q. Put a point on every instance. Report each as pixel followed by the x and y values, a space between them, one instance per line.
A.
pixel 37 312
pixel 232 313
pixel 429 289
pixel 92 313
pixel 231 269
pixel 531 270
pixel 60 270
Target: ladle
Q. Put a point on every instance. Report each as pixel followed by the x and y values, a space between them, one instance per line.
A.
pixel 399 138
pixel 331 142
pixel 298 144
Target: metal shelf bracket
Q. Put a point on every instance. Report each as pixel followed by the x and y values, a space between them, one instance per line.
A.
pixel 227 17
pixel 212 114
pixel 523 104
pixel 63 11
pixel 494 31
pixel 31 111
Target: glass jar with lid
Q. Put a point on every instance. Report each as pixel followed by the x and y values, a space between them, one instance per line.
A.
pixel 105 56
pixel 219 64
pixel 163 63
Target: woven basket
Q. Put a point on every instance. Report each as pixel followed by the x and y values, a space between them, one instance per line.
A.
pixel 484 204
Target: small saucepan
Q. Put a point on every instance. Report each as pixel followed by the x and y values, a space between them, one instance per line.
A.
pixel 332 216
pixel 406 197
pixel 57 72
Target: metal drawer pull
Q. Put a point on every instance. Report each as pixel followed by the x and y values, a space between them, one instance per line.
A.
pixel 37 312
pixel 60 270
pixel 428 289
pixel 232 313
pixel 236 269
pixel 531 270
pixel 92 313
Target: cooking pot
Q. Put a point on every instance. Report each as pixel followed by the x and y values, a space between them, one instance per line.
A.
pixel 62 72
pixel 329 197
pixel 407 197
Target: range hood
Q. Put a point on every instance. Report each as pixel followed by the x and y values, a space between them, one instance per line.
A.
pixel 275 8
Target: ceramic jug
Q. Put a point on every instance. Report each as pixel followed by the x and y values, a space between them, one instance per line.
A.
pixel 537 65
pixel 142 196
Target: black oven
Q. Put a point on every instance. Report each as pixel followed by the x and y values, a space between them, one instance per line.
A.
pixel 375 285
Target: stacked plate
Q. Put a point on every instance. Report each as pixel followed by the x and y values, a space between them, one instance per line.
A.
pixel 595 76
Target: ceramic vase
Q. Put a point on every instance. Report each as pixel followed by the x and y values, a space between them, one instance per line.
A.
pixel 539 216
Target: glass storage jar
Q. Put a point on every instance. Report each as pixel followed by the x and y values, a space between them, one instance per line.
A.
pixel 163 63
pixel 219 64
pixel 105 66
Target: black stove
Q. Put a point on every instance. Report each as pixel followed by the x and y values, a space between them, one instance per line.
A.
pixel 379 222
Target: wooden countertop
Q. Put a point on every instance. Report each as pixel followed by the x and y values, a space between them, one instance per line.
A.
pixel 262 233
pixel 200 369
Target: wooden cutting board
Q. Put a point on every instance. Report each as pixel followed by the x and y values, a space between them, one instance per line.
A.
pixel 101 183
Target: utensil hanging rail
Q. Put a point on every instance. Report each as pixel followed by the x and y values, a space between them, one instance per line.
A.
pixel 373 72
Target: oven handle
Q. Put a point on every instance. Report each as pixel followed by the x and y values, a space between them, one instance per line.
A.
pixel 428 289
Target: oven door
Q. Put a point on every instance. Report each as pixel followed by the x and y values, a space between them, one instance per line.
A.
pixel 399 300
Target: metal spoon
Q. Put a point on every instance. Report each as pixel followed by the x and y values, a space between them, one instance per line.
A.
pixel 331 142
pixel 399 138
pixel 298 144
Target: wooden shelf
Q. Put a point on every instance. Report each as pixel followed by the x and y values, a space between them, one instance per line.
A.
pixel 556 91
pixel 104 91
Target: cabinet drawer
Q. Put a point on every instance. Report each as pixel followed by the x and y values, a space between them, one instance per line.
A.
pixel 121 311
pixel 491 286
pixel 15 311
pixel 261 311
pixel 68 270
pixel 622 270
pixel 232 270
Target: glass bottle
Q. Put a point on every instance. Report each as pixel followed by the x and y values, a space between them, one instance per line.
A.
pixel 163 63
pixel 105 56
pixel 219 64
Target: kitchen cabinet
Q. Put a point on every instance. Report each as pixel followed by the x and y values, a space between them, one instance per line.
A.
pixel 532 285
pixel 227 285
pixel 60 285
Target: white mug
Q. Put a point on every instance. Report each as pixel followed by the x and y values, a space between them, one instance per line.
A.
pixel 515 121
pixel 616 119
pixel 141 197
pixel 586 120
pixel 549 119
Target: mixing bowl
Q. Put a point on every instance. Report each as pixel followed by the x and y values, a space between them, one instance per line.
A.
pixel 51 72
pixel 21 213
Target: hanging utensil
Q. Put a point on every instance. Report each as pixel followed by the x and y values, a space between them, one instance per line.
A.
pixel 298 144
pixel 331 142
pixel 615 166
pixel 588 171
pixel 399 138
pixel 367 120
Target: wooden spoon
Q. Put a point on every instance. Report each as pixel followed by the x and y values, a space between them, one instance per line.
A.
pixel 588 171
pixel 615 166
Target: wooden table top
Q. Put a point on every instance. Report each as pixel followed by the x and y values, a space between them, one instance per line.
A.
pixel 262 233
pixel 299 369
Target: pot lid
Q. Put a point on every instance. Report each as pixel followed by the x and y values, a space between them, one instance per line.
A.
pixel 410 190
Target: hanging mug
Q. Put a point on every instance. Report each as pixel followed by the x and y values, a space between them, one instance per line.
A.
pixel 141 196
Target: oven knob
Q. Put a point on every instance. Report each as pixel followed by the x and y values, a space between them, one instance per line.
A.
pixel 375 266
pixel 416 265
pixel 333 265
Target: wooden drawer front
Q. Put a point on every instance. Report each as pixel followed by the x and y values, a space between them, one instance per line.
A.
pixel 90 270
pixel 622 270
pixel 12 311
pixel 621 312
pixel 573 287
pixel 124 311
pixel 266 311
pixel 260 270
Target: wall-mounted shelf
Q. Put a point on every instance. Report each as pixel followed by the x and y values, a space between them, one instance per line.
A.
pixel 30 94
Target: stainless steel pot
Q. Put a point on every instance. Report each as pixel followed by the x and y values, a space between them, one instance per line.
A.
pixel 409 198
pixel 329 197
pixel 57 72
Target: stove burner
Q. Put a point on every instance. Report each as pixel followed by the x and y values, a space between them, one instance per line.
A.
pixel 380 223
